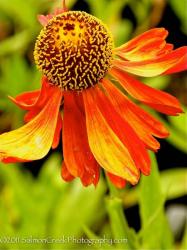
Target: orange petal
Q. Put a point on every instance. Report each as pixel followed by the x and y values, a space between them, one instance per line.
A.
pixel 57 134
pixel 123 130
pixel 33 140
pixel 127 107
pixel 116 180
pixel 77 155
pixel 123 107
pixel 146 46
pixel 66 176
pixel 172 62
pixel 143 39
pixel 34 100
pixel 106 146
pixel 157 99
pixel 45 93
pixel 26 100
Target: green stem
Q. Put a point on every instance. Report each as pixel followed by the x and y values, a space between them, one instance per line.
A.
pixel 124 237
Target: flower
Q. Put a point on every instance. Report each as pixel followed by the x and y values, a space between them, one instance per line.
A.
pixel 82 95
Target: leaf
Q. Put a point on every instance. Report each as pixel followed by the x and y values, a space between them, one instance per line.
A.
pixel 153 220
pixel 179 122
pixel 170 191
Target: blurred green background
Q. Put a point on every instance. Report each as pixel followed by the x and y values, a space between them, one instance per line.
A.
pixel 35 204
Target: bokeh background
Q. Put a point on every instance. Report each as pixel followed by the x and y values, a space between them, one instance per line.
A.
pixel 35 203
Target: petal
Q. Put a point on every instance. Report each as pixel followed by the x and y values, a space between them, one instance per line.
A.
pixel 66 176
pixel 33 140
pixel 26 100
pixel 144 38
pixel 152 125
pixel 144 129
pixel 77 155
pixel 123 130
pixel 172 62
pixel 57 134
pixel 45 93
pixel 34 99
pixel 157 99
pixel 105 145
pixel 146 46
pixel 43 20
pixel 116 180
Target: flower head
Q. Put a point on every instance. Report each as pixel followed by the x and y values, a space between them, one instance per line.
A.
pixel 81 95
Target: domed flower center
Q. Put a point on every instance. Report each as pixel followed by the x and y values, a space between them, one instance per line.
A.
pixel 74 50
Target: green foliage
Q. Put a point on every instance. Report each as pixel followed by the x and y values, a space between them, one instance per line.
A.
pixel 153 220
pixel 45 206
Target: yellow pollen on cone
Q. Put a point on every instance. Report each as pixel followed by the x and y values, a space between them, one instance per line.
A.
pixel 74 50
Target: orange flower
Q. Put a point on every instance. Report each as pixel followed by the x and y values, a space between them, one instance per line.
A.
pixel 82 93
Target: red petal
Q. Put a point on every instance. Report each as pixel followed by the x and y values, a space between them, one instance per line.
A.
pixel 149 45
pixel 172 62
pixel 77 155
pixel 116 180
pixel 107 148
pixel 66 176
pixel 45 93
pixel 157 99
pixel 143 39
pixel 26 100
pixel 154 126
pixel 33 140
pixel 144 129
pixel 57 132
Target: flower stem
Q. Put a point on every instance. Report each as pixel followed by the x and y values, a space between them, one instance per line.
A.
pixel 120 229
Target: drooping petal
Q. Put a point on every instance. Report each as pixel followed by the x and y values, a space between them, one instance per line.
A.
pixel 34 99
pixel 26 100
pixel 106 146
pixel 172 62
pixel 66 176
pixel 123 130
pixel 45 93
pixel 144 129
pixel 77 155
pixel 33 140
pixel 143 39
pixel 146 46
pixel 57 134
pixel 157 99
pixel 116 180
pixel 135 114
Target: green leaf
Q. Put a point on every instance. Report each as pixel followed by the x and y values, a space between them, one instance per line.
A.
pixel 174 182
pixel 179 122
pixel 153 220
pixel 176 137
pixel 170 191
